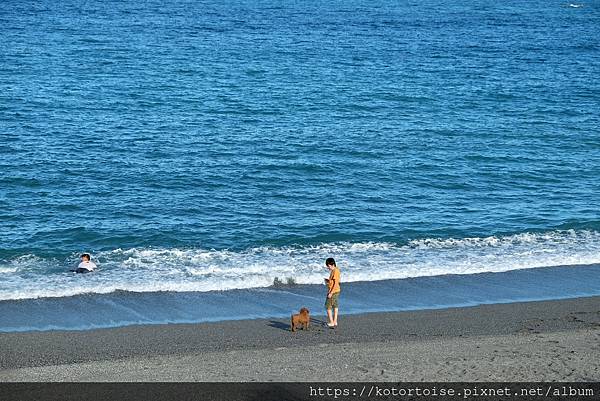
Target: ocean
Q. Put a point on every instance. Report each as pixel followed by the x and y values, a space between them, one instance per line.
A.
pixel 445 153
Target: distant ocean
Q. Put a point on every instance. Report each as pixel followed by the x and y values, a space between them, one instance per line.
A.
pixel 444 152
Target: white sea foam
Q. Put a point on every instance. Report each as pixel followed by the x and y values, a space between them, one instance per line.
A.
pixel 23 262
pixel 145 270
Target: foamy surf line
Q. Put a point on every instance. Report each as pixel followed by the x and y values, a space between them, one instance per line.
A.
pixel 202 270
pixel 123 308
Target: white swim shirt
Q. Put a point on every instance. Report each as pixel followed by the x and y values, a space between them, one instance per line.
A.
pixel 88 265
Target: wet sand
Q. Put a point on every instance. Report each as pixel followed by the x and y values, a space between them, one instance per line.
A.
pixel 530 341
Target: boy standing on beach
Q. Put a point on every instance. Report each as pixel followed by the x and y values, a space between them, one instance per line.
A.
pixel 333 292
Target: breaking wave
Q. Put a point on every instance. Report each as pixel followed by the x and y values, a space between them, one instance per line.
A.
pixel 183 270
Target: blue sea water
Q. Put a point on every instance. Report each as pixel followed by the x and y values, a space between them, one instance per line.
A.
pixel 204 148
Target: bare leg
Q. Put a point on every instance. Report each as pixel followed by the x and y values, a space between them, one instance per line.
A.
pixel 335 315
pixel 329 317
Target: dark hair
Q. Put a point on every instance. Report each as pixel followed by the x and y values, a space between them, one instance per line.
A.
pixel 86 256
pixel 330 262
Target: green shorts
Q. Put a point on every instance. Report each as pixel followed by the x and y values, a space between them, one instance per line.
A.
pixel 332 303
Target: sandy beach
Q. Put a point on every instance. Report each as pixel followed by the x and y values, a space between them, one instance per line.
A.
pixel 530 341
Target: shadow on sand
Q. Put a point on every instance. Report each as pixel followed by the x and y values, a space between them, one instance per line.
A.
pixel 279 325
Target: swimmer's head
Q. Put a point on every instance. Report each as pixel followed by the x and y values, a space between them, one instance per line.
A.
pixel 86 257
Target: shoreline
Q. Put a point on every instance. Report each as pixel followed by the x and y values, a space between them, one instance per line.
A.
pixel 539 340
pixel 125 308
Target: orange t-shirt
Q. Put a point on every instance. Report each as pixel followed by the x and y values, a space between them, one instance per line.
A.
pixel 334 281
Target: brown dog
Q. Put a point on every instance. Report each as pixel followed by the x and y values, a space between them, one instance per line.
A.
pixel 301 319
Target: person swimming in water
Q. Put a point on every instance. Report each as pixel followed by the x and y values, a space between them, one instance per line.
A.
pixel 86 265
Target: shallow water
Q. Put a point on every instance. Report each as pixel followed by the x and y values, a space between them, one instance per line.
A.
pixel 122 308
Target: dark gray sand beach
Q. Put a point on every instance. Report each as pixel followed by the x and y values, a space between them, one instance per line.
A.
pixel 530 341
